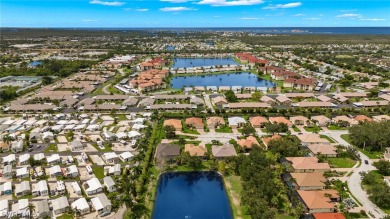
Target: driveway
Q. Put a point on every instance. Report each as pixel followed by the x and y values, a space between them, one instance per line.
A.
pixel 354 181
pixel 208 102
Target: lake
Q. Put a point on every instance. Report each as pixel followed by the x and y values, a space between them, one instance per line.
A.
pixel 244 79
pixel 35 63
pixel 199 62
pixel 191 195
pixel 170 48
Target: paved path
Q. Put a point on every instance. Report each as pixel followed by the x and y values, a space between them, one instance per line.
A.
pixel 354 181
pixel 104 89
pixel 208 102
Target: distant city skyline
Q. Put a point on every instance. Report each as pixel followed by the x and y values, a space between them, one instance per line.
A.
pixel 194 13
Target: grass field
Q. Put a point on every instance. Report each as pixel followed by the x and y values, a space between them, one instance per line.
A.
pixel 234 188
pixel 340 162
pixel 335 127
pixel 98 171
pixel 313 129
pixel 327 138
pixel 225 129
pixel 369 154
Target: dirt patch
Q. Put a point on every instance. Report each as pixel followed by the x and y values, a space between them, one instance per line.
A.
pixel 234 198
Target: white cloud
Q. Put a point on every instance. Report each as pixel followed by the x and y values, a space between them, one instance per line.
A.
pixel 217 16
pixel 298 15
pixel 312 18
pixel 349 15
pixel 142 9
pixel 87 20
pixel 114 3
pixel 175 9
pixel 373 19
pixel 250 18
pixel 282 6
pixel 230 2
pixel 174 1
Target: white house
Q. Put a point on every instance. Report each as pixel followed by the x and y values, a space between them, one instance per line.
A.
pixel 126 156
pixel 77 145
pixel 60 205
pixel 39 156
pixel 55 171
pixel 9 159
pixel 23 159
pixel 93 186
pixel 134 135
pixel 109 183
pixel 110 157
pixel 40 188
pixel 17 147
pixel 4 208
pixel 101 204
pixel 60 188
pixel 23 188
pixel 47 136
pixel 72 171
pixel 53 159
pixel 81 205
pixel 236 122
pixel 76 188
pixel 20 208
pixel 22 173
pixel 7 171
pixel 6 188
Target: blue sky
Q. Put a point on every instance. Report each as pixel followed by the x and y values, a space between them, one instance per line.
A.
pixel 194 13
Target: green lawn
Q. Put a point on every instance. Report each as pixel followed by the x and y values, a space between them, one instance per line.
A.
pixel 225 129
pixel 327 138
pixel 340 162
pixel 234 188
pixel 65 216
pixel 296 129
pixel 369 154
pixel 313 129
pixel 190 131
pixel 335 127
pixel 51 148
pixel 98 171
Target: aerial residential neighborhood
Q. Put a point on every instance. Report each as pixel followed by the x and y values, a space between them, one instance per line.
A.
pixel 200 122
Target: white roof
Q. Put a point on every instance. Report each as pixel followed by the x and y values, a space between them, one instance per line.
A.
pixel 236 120
pixel 42 185
pixel 60 203
pixel 24 157
pixel 121 135
pixel 62 122
pixel 138 126
pixel 7 186
pixel 54 169
pixel 80 204
pixel 75 186
pixel 23 204
pixel 3 205
pixel 110 155
pixel 52 158
pixel 57 127
pixel 125 155
pixel 133 134
pixel 108 181
pixel 21 171
pixel 9 158
pixel 100 201
pixel 93 184
pixel 39 156
pixel 72 169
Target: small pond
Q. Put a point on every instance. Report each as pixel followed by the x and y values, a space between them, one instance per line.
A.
pixel 244 79
pixel 199 62
pixel 191 195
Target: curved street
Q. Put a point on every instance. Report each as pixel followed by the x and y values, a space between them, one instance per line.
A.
pixel 355 180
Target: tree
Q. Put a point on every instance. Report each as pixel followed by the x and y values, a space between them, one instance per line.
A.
pixel 47 80
pixel 170 131
pixel 248 130
pixel 182 141
pixel 286 146
pixel 256 96
pixel 31 208
pixel 383 167
pixel 231 97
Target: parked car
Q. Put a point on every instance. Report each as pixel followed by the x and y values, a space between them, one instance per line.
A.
pixel 365 161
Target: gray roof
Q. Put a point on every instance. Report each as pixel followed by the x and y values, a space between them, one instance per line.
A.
pixel 226 150
pixel 108 181
pixel 132 101
pixel 146 102
pixel 60 203
pixel 7 169
pixel 166 151
pixel 42 207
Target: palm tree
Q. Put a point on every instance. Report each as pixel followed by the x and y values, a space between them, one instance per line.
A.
pixel 7 139
pixel 31 208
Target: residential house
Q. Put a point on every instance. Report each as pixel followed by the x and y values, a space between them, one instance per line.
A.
pixel 9 159
pixel 306 181
pixel 53 159
pixel 328 216
pixel 17 147
pixel 266 140
pixel 166 152
pixel 4 146
pixel 7 171
pixel 215 122
pixel 6 188
pixel 319 201
pixel 41 209
pixel 22 173
pixel 311 138
pixel 268 100
pixel 110 157
pixel 4 208
pixel 236 122
pixel 55 171
pixel 93 186
pixel 258 121
pixel 225 151
pixel 76 188
pixel 194 122
pixel 72 171
pixel 195 150
pixel 344 121
pixel 20 208
pixel 219 101
pixel 305 164
pixel 321 121
pixel 76 145
pixel 126 156
pixel 60 205
pixel 109 183
pixel 326 150
pixel 362 118
pixel 381 118
pixel 22 188
pixel 81 205
pixel 249 142
pixel 108 136
pixel 40 188
pixel 47 136
pixel 23 159
pixel 283 100
pixel 176 123
pixel 101 204
pixel 280 119
pixel 300 120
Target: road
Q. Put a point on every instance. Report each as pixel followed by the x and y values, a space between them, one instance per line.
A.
pixel 355 180
pixel 208 102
